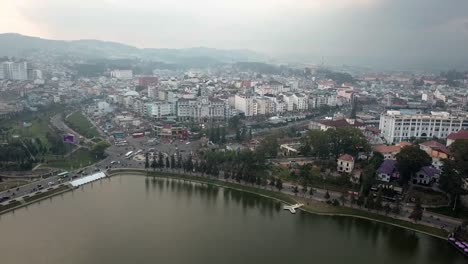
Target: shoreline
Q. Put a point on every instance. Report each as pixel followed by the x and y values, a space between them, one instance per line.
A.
pixel 288 199
pixel 266 193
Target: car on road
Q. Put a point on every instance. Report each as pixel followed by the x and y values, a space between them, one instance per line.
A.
pixel 187 143
pixel 3 199
pixel 40 187
pixel 51 183
pixel 113 162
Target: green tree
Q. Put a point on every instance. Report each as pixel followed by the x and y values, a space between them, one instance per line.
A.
pixel 154 163
pixel 168 163
pixel 234 122
pixel 417 213
pixel 268 147
pixel 451 180
pixel 179 161
pixel 370 202
pixel 279 184
pixel 459 150
pixel 99 149
pixel 147 164
pixel 223 135
pixel 295 190
pixel 378 202
pixel 410 160
pixel 160 160
pixel 397 207
pixel 343 198
pixel 273 182
pixel 387 209
pixel 173 161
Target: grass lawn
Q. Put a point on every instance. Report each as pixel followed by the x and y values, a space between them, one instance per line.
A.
pixel 46 193
pixel 11 184
pixel 427 196
pixel 80 158
pixel 39 123
pixel 77 121
pixel 458 213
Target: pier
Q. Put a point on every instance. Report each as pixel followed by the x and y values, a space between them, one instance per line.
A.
pixel 292 208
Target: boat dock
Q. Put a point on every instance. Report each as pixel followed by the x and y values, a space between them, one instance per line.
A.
pixel 292 208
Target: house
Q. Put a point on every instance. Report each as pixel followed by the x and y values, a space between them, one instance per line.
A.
pixel 345 163
pixel 389 152
pixel 436 151
pixel 462 134
pixel 387 171
pixel 426 176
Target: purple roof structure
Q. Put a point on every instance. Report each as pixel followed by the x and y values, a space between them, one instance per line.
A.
pixel 387 167
pixel 429 171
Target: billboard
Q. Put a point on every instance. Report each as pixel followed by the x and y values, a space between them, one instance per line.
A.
pixel 69 138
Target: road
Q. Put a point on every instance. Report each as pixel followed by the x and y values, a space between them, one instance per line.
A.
pixel 116 153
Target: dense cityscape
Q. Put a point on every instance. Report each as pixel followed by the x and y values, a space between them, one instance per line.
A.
pixel 360 155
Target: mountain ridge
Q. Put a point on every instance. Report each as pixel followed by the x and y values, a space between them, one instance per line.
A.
pixel 18 45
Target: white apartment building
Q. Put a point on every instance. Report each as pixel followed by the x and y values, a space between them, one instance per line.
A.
pixel 122 74
pixel 201 108
pixel 300 102
pixel 244 104
pixel 396 127
pixel 321 99
pixel 15 70
pixel 160 109
pixel 263 106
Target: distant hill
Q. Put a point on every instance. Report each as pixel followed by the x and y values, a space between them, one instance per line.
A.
pixel 12 44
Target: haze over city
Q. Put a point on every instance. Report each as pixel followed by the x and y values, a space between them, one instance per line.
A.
pixel 234 131
pixel 344 31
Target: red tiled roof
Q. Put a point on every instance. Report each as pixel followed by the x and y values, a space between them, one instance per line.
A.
pixel 462 134
pixel 346 157
pixel 436 146
pixel 387 149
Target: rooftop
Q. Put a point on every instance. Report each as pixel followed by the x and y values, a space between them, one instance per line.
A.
pixel 346 157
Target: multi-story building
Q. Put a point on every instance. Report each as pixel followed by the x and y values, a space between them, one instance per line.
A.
pixel 300 102
pixel 396 127
pixel 323 98
pixel 122 74
pixel 263 106
pixel 15 70
pixel 201 108
pixel 146 81
pixel 244 104
pixel 160 109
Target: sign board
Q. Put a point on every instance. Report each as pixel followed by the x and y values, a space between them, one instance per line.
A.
pixel 69 138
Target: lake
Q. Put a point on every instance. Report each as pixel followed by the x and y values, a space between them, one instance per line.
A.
pixel 134 219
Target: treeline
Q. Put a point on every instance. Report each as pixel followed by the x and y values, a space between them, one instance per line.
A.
pixel 20 155
pixel 332 143
pixel 216 135
pixel 339 77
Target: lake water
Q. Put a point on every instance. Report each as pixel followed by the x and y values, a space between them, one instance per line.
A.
pixel 133 219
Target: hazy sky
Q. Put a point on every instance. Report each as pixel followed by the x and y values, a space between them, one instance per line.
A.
pixel 319 27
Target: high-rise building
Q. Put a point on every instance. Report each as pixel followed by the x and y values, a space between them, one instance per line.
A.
pixel 15 70
pixel 244 104
pixel 122 74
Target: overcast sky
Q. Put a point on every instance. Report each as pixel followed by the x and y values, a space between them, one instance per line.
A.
pixel 320 27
